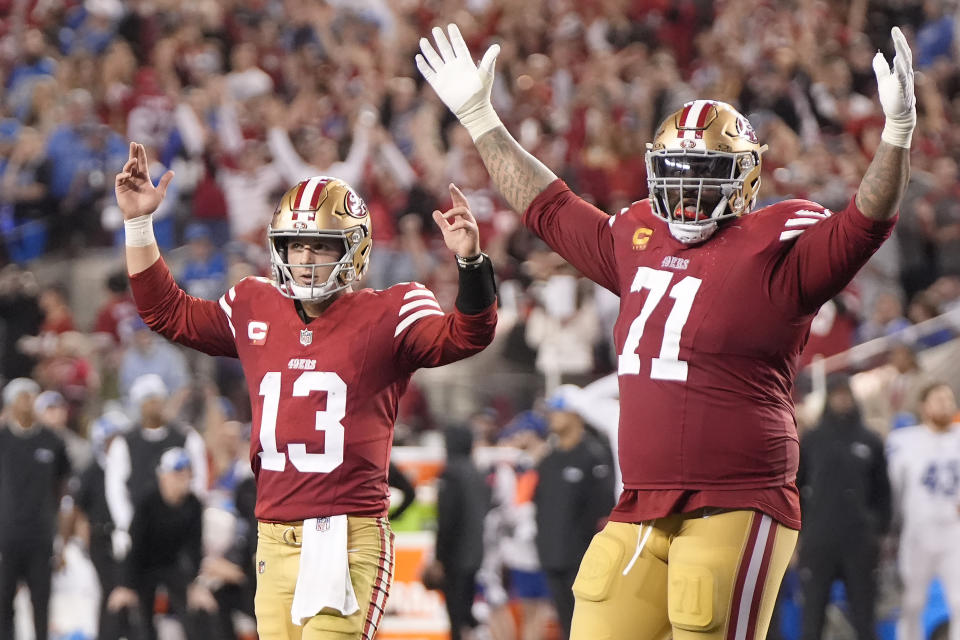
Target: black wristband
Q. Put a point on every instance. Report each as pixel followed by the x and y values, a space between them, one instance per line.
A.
pixel 478 287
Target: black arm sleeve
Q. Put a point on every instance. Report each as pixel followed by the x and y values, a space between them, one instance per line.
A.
pixel 399 480
pixel 478 288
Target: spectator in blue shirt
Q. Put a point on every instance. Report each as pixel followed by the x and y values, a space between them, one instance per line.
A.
pixel 82 147
pixel 33 64
pixel 205 272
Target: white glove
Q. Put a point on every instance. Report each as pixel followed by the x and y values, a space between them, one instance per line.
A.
pixel 462 86
pixel 896 92
pixel 121 542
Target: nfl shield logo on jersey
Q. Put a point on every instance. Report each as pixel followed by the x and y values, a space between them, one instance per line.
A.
pixel 323 524
pixel 261 566
pixel 306 337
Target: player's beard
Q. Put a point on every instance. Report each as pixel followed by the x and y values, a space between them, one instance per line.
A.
pixel 941 421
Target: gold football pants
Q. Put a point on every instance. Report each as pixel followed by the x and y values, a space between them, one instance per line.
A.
pixel 370 546
pixel 706 575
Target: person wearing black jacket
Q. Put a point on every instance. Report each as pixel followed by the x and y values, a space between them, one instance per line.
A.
pixel 845 497
pixel 573 496
pixel 131 462
pixel 463 499
pixel 91 500
pixel 33 472
pixel 167 549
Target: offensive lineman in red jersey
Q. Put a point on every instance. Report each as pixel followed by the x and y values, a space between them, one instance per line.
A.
pixel 715 307
pixel 326 365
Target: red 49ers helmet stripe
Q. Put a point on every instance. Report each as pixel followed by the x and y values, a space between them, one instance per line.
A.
pixel 308 195
pixel 693 120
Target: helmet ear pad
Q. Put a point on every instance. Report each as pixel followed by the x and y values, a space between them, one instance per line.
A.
pixel 362 256
pixel 320 207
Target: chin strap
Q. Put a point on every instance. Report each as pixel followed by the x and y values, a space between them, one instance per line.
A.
pixel 692 233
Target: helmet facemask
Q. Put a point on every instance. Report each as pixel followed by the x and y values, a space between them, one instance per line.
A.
pixel 344 271
pixel 700 173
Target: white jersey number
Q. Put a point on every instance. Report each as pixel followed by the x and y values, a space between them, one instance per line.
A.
pixel 328 421
pixel 668 366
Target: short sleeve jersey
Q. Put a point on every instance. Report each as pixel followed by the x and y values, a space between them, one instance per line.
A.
pixel 324 393
pixel 708 337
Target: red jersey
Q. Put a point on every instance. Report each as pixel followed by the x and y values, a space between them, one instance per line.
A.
pixel 708 338
pixel 324 394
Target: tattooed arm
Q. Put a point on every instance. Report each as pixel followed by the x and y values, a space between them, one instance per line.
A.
pixel 518 176
pixel 465 88
pixel 884 182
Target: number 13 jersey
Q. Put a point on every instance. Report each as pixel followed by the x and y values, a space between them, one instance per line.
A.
pixel 708 338
pixel 324 394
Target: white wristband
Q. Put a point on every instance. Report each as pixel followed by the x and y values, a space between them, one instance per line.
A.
pixel 898 131
pixel 139 231
pixel 479 119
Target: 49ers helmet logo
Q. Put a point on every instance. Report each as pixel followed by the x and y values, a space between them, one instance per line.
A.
pixel 301 218
pixel 354 206
pixel 745 129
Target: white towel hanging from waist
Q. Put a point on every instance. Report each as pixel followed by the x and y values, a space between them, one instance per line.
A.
pixel 324 576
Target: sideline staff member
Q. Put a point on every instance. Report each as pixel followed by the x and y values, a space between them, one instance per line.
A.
pixel 33 473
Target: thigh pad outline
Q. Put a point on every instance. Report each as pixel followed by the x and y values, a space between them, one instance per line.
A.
pixel 692 594
pixel 601 562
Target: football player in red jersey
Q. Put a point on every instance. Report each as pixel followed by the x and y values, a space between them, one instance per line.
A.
pixel 326 364
pixel 716 302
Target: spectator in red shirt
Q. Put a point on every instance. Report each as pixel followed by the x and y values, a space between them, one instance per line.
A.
pixel 118 308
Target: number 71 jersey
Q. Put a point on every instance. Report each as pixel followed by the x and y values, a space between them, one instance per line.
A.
pixel 325 394
pixel 709 335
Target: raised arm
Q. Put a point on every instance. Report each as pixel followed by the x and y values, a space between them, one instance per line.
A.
pixel 886 178
pixel 138 199
pixel 426 336
pixel 465 89
pixel 167 309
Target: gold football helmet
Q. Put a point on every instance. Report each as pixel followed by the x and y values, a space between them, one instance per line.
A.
pixel 703 166
pixel 320 207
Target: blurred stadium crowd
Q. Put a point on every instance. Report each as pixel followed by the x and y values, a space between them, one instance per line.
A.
pixel 242 98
